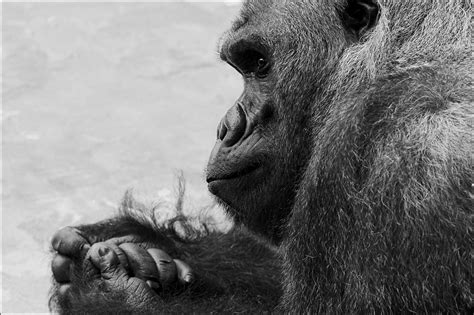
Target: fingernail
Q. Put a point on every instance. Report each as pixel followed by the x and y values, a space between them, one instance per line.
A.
pixel 103 251
pixel 64 289
pixel 56 244
pixel 188 278
pixel 153 284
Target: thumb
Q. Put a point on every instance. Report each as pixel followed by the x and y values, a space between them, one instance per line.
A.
pixel 107 261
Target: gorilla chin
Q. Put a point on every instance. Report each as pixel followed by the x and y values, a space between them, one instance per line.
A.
pixel 261 195
pixel 235 165
pixel 223 182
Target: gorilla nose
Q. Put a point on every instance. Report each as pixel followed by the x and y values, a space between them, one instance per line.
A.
pixel 232 127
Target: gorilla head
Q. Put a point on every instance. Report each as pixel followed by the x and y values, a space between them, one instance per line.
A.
pixel 264 141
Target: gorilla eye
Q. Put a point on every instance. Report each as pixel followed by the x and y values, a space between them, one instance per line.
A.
pixel 263 67
pixel 250 62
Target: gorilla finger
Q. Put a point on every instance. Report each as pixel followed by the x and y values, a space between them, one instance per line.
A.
pixel 166 266
pixel 141 264
pixel 69 241
pixel 61 268
pixel 116 277
pixel 89 271
pixel 120 254
pixel 125 239
pixel 106 261
pixel 185 273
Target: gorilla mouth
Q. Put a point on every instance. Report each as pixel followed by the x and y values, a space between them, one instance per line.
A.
pixel 226 176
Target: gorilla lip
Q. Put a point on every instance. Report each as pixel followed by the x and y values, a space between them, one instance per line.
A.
pixel 223 176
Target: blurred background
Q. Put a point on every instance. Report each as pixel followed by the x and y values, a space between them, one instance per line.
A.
pixel 98 98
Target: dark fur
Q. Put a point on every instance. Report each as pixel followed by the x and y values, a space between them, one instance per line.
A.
pixel 215 256
pixel 382 218
pixel 385 202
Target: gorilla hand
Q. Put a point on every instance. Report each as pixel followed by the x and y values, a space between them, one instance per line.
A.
pixel 140 259
pixel 71 247
pixel 224 278
pixel 107 287
pixel 152 265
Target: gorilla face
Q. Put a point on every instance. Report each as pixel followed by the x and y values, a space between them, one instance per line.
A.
pixel 263 140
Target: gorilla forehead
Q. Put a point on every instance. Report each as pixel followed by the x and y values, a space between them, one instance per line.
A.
pixel 280 22
pixel 305 8
pixel 256 20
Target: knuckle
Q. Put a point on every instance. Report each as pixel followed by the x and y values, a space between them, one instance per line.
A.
pixel 120 254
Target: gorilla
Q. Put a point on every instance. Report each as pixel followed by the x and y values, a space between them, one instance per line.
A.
pixel 346 164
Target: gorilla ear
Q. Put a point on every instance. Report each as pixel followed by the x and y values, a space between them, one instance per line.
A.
pixel 360 16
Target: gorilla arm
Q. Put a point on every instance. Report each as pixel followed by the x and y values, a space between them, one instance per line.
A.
pixel 232 272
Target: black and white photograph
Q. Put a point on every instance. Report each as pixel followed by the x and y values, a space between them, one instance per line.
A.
pixel 237 157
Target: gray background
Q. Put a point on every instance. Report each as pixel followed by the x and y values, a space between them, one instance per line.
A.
pixel 96 99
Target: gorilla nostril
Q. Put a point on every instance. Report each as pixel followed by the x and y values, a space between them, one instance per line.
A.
pixel 221 131
pixel 235 123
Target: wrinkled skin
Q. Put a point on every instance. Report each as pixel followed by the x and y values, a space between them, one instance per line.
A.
pixel 346 164
pixel 129 267
pixel 137 277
